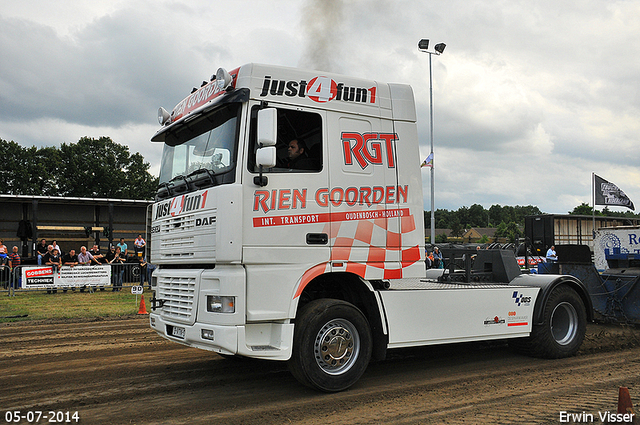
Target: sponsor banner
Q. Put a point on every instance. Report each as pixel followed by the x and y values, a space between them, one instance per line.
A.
pixel 611 243
pixel 47 277
pixel 533 261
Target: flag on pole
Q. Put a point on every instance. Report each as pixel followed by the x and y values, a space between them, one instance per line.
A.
pixel 428 162
pixel 607 193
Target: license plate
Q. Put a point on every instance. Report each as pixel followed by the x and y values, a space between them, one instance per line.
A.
pixel 177 332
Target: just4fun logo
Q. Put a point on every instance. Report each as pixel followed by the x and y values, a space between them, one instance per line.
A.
pixel 319 89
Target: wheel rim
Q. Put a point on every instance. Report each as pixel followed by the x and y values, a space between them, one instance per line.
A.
pixel 564 323
pixel 337 346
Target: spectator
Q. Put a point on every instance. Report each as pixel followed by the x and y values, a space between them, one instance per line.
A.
pixel 117 268
pixel 98 258
pixel 438 263
pixel 110 254
pixel 428 261
pixel 150 269
pixel 3 247
pixel 14 258
pixel 14 264
pixel 473 257
pixel 123 247
pixel 54 243
pixel 95 251
pixel 85 257
pixel 42 249
pixel 70 259
pixel 139 244
pixel 552 257
pixel 52 258
pixel 143 269
pixel 4 267
pixel 46 255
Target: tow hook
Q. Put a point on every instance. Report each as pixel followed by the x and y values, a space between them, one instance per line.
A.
pixel 156 303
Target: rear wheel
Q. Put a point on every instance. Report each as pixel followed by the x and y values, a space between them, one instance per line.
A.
pixel 563 328
pixel 332 345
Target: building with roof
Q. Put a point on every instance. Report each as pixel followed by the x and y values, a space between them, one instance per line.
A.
pixel 72 222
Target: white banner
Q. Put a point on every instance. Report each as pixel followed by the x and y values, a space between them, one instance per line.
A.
pixel 615 244
pixel 47 277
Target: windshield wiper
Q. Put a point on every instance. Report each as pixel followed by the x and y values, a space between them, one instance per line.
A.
pixel 165 186
pixel 184 179
pixel 211 174
pixel 171 187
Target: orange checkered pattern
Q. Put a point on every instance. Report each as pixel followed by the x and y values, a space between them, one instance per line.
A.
pixel 371 249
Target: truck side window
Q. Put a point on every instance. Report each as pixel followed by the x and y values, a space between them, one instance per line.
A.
pixel 299 145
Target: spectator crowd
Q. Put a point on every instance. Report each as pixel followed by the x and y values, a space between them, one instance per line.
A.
pixel 51 255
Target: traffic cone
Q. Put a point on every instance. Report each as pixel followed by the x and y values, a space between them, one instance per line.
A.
pixel 143 307
pixel 624 401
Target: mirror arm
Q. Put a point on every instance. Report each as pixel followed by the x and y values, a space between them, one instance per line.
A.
pixel 260 180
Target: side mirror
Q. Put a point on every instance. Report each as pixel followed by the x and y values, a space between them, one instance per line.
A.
pixel 266 157
pixel 267 127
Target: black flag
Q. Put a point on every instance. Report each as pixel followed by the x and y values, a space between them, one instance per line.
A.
pixel 609 194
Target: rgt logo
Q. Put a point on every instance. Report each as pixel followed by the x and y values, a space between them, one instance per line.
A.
pixel 369 148
pixel 521 299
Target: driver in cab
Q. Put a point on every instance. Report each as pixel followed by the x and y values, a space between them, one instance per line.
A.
pixel 298 157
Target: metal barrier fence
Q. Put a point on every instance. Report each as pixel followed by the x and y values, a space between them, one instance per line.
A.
pixel 116 277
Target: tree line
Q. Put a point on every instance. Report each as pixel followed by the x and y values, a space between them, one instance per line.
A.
pixel 90 168
pixel 507 220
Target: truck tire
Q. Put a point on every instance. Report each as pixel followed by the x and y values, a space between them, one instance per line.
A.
pixel 332 345
pixel 563 329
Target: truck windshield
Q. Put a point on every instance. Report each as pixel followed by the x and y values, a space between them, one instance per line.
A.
pixel 200 152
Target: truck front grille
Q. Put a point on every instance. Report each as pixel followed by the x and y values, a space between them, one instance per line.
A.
pixel 178 294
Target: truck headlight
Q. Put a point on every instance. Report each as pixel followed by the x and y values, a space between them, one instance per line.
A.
pixel 218 304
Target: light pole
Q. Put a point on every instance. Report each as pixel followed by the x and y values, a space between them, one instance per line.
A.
pixel 423 46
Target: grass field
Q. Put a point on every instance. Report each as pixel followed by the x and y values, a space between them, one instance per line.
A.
pixel 40 305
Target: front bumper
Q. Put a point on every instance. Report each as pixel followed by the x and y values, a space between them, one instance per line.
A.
pixel 262 341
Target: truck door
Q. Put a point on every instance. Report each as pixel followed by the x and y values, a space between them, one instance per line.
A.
pixel 365 227
pixel 283 216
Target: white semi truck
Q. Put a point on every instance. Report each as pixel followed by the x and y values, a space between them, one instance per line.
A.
pixel 288 225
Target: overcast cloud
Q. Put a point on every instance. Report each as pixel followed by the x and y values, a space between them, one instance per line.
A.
pixel 530 97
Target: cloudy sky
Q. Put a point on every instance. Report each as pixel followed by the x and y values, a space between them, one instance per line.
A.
pixel 530 97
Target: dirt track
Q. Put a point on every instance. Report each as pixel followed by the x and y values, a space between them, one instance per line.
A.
pixel 121 372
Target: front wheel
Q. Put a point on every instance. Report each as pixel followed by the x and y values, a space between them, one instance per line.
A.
pixel 332 345
pixel 563 329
